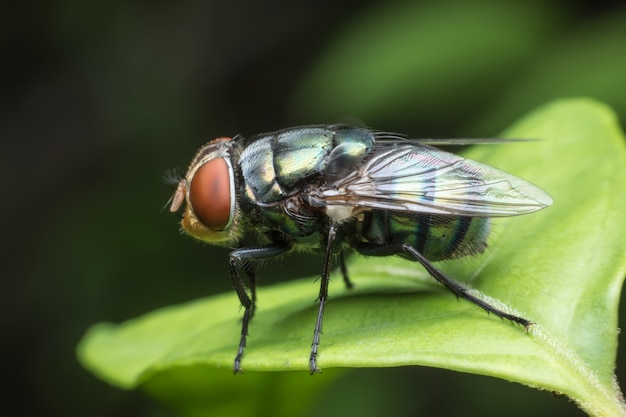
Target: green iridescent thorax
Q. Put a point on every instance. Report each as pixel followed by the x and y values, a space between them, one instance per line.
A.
pixel 274 165
pixel 276 168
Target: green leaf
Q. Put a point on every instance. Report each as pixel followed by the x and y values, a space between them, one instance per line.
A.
pixel 562 268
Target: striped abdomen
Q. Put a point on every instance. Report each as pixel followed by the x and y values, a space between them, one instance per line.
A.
pixel 436 237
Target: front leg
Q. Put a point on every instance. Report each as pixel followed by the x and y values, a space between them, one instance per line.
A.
pixel 323 296
pixel 244 258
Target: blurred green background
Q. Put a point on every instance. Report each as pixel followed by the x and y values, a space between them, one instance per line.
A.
pixel 100 98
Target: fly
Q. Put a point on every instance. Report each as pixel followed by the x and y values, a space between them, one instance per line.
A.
pixel 328 189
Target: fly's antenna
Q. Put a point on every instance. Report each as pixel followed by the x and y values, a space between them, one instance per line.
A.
pixel 173 177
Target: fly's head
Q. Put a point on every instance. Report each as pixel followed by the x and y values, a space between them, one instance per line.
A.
pixel 208 189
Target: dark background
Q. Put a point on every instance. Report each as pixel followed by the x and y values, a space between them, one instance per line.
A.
pixel 98 99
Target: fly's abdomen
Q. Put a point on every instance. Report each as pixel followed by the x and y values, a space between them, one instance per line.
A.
pixel 436 237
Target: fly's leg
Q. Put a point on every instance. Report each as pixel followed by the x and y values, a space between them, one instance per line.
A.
pixel 323 296
pixel 247 315
pixel 344 271
pixel 456 288
pixel 251 272
pixel 244 257
pixel 459 290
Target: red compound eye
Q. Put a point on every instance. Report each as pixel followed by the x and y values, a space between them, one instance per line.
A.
pixel 209 194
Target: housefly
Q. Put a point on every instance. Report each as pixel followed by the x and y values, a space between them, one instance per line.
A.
pixel 328 189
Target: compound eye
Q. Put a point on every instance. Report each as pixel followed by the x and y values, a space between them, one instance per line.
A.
pixel 210 195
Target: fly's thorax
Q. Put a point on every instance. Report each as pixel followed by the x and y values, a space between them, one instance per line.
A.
pixel 275 165
pixel 211 213
pixel 352 145
pixel 280 171
pixel 437 237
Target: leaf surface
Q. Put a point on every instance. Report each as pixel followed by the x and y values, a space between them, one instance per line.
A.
pixel 562 268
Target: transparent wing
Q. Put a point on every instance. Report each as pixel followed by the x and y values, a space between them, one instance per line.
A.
pixel 415 178
pixel 396 137
pixel 469 141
